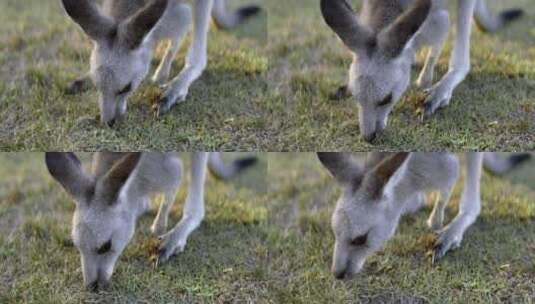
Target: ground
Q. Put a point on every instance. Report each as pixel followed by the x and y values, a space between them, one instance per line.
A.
pixel 266 88
pixel 267 239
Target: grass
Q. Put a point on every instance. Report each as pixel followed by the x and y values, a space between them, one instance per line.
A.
pixel 260 92
pixel 266 239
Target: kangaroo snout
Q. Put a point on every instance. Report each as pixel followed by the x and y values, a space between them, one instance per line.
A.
pixel 108 122
pixel 98 285
pixel 112 114
pixel 98 279
pixel 111 122
pixel 341 274
pixel 370 138
pixel 344 274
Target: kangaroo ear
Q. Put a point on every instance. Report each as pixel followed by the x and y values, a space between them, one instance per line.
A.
pixel 103 161
pixel 67 169
pixel 393 39
pixel 134 29
pixel 377 178
pixel 374 158
pixel 112 182
pixel 342 167
pixel 341 18
pixel 88 16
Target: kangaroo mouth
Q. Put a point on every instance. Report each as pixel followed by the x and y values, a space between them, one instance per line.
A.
pixel 97 286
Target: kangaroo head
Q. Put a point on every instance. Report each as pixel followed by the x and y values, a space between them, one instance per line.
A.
pixel 366 215
pixel 103 221
pixel 381 69
pixel 119 60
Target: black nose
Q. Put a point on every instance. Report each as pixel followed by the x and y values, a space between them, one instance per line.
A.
pixel 340 275
pixel 98 285
pixel 93 287
pixel 371 138
pixel 111 123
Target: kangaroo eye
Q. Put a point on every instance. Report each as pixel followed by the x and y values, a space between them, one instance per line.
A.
pixel 104 248
pixel 125 90
pixel 388 100
pixel 360 240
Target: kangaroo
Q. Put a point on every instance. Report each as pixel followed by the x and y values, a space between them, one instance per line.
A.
pixel 376 195
pixel 125 33
pixel 384 41
pixel 118 190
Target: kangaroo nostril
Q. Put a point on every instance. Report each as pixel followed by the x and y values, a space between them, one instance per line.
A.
pixel 92 287
pixel 111 123
pixel 340 275
pixel 371 137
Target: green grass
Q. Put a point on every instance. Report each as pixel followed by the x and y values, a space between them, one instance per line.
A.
pixel 266 88
pixel 266 239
